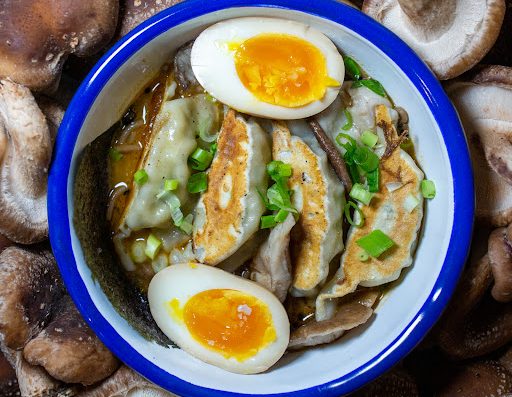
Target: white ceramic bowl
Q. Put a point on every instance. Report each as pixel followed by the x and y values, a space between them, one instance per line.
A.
pixel 408 310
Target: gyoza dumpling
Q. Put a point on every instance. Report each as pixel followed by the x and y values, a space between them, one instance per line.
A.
pixel 389 211
pixel 318 196
pixel 229 212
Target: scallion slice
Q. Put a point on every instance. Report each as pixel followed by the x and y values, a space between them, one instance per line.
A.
pixel 186 224
pixel 153 244
pixel 410 203
pixel 267 221
pixel 115 154
pixel 350 122
pixel 278 170
pixel 200 159
pixel 171 184
pixel 428 189
pixel 213 148
pixel 281 216
pixel 373 178
pixel 360 194
pixel 352 68
pixel 140 177
pixel 197 183
pixel 204 127
pixel 375 243
pixel 279 196
pixel 174 205
pixel 372 85
pixel 350 219
pixel 366 159
pixel 363 256
pixel 369 138
pixel 349 140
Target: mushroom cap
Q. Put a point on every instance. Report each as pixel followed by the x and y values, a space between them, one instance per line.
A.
pixel 37 36
pixel 125 383
pixel 8 382
pixel 396 383
pixel 69 350
pixel 500 257
pixel 25 155
pixel 4 242
pixel 480 379
pixel 34 289
pixel 486 113
pixel 134 12
pixel 451 36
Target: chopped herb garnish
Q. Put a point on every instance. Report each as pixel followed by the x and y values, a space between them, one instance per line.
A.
pixel 369 138
pixel 372 178
pixel 267 221
pixel 428 189
pixel 115 154
pixel 140 177
pixel 360 194
pixel 363 256
pixel 352 68
pixel 350 219
pixel 375 243
pixel 348 125
pixel 197 183
pixel 171 184
pixel 200 159
pixel 153 244
pixel 371 84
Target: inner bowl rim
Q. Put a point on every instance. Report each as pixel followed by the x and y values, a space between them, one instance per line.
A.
pixel 420 77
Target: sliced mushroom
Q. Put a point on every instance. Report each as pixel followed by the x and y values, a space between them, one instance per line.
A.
pixel 271 266
pixel 500 257
pixel 350 314
pixel 34 287
pixel 480 379
pixel 134 12
pixel 25 154
pixel 37 36
pixel 450 35
pixel 8 382
pixel 396 383
pixel 69 350
pixel 125 383
pixel 484 105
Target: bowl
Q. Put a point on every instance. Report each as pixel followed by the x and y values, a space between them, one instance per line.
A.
pixel 408 310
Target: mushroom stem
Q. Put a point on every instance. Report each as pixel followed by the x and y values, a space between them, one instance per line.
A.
pixel 332 153
pixel 429 18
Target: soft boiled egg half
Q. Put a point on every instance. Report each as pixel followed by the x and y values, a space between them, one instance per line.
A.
pixel 222 319
pixel 268 67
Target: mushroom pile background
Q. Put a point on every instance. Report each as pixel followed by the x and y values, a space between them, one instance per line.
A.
pixel 46 48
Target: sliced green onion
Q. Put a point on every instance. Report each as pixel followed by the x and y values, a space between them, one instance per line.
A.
pixel 350 122
pixel 141 177
pixel 363 256
pixel 213 148
pixel 115 154
pixel 360 194
pixel 369 138
pixel 428 189
pixel 174 204
pixel 186 224
pixel 160 263
pixel 265 201
pixel 138 251
pixel 204 127
pixel 353 171
pixel 278 170
pixel 352 68
pixel 410 203
pixel 267 222
pixel 366 159
pixel 153 244
pixel 371 84
pixel 375 243
pixel 210 98
pixel 350 219
pixel 279 196
pixel 197 183
pixel 350 141
pixel 373 178
pixel 200 159
pixel 281 216
pixel 171 184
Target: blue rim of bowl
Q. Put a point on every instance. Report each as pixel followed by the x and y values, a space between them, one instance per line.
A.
pixel 423 80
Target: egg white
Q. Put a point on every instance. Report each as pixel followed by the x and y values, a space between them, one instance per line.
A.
pixel 214 66
pixel 182 281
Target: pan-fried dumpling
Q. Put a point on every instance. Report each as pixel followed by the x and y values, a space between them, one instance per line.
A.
pixel 172 141
pixel 318 196
pixel 229 212
pixel 389 212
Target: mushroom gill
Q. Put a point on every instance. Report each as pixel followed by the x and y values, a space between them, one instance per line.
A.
pixel 37 36
pixel 125 383
pixel 450 35
pixel 484 107
pixel 25 154
pixel 500 257
pixel 69 350
pixel 34 289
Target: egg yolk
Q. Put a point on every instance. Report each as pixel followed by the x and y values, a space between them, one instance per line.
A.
pixel 282 69
pixel 229 322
